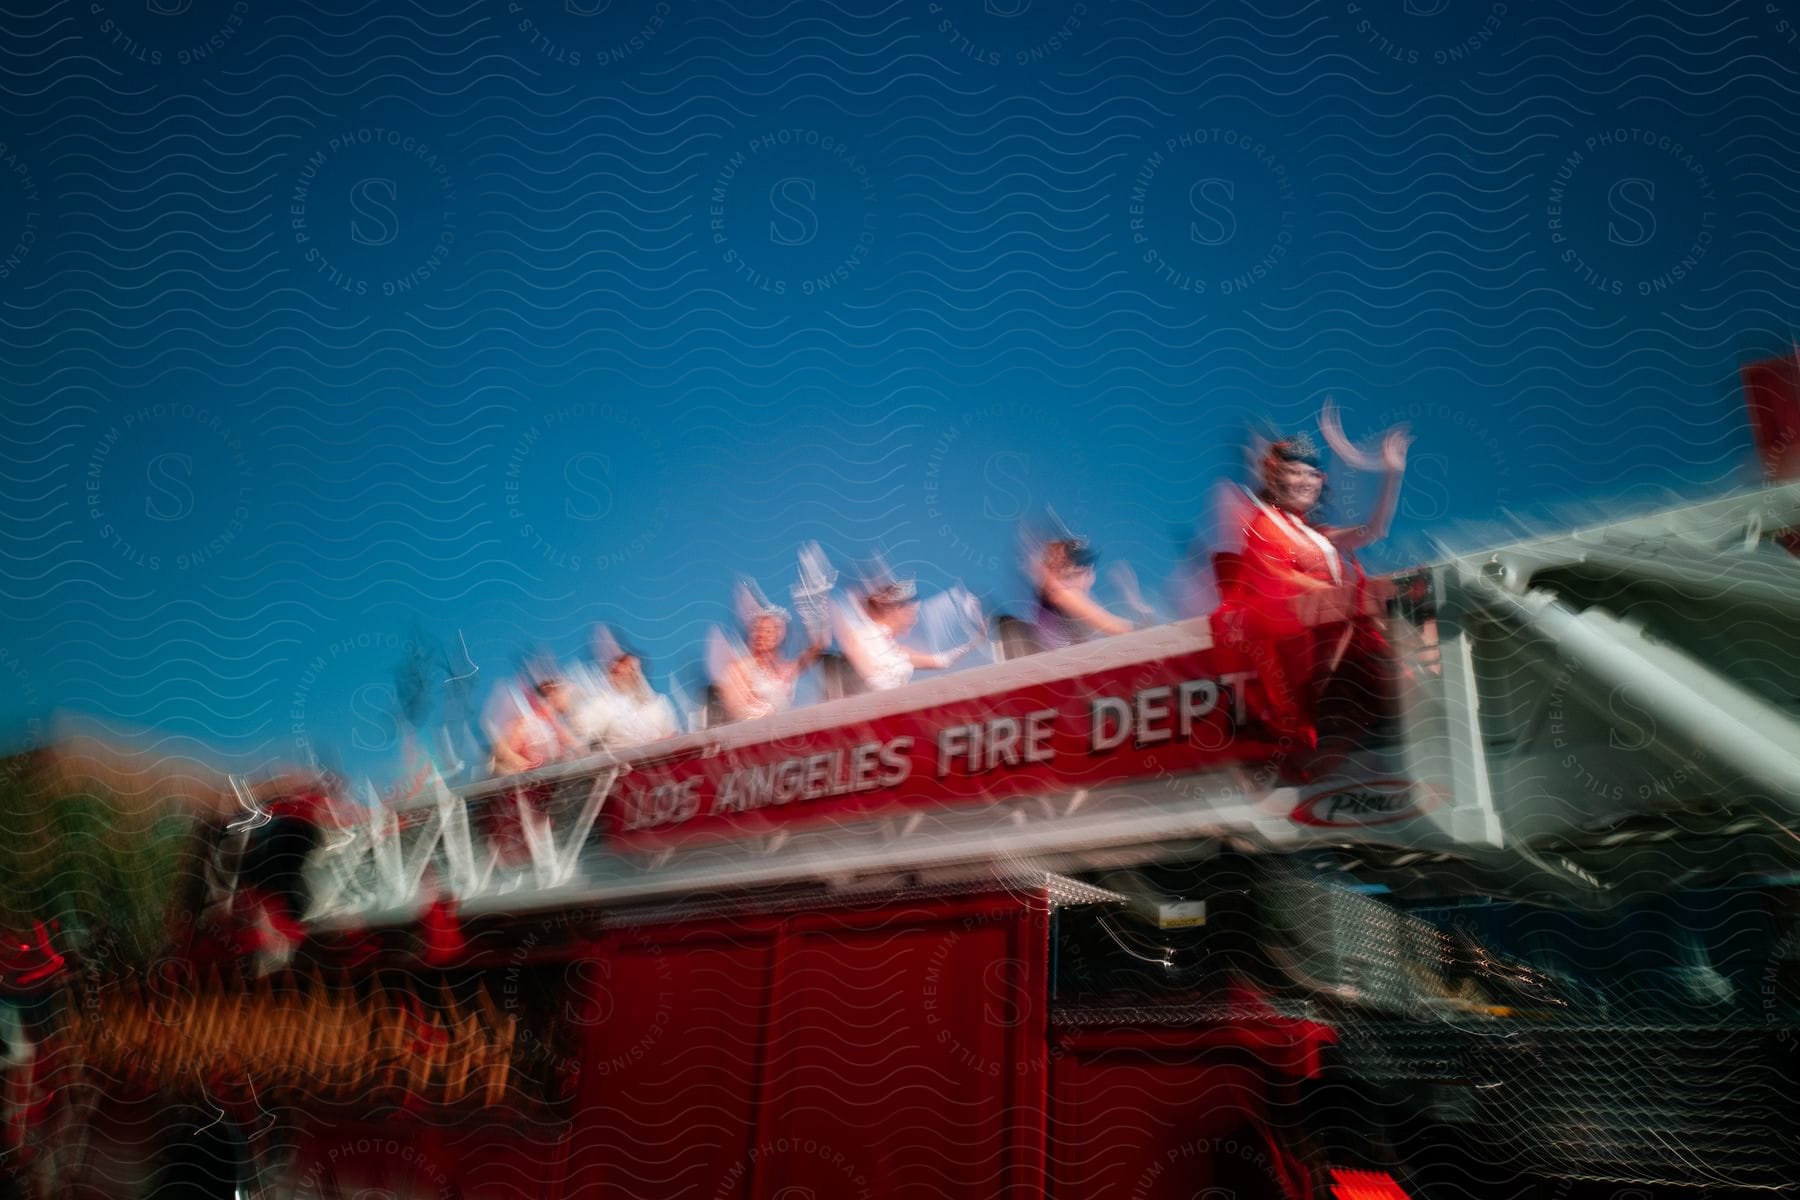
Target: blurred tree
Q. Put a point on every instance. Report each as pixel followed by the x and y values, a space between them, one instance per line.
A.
pixel 94 840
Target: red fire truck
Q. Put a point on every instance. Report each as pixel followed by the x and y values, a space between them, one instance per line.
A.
pixel 1068 925
pixel 1074 925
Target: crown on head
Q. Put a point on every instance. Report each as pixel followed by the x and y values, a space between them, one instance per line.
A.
pixel 1299 448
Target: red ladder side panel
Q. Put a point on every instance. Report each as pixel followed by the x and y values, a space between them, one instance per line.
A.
pixel 908 1058
pixel 669 1079
pixel 892 1051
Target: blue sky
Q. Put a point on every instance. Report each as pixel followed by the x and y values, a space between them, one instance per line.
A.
pixel 325 327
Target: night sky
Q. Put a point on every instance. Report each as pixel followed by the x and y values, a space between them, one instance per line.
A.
pixel 329 327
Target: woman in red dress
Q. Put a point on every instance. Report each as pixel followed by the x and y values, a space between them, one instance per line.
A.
pixel 1305 605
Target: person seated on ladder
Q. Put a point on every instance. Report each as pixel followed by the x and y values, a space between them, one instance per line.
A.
pixel 1062 580
pixel 872 627
pixel 1295 598
pixel 620 709
pixel 753 677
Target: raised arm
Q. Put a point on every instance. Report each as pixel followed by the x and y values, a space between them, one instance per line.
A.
pixel 821 638
pixel 1393 461
pixel 1078 603
pixel 936 662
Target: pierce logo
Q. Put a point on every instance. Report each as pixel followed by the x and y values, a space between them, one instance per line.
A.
pixel 1375 802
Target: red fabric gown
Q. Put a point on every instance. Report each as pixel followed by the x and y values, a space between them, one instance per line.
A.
pixel 1302 640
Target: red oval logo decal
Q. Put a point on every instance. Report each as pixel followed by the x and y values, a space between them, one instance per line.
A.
pixel 1373 802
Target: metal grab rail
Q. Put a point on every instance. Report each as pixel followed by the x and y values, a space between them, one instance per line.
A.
pixel 1754 738
pixel 382 864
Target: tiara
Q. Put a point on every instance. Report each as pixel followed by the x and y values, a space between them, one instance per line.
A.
pixel 752 605
pixel 1299 448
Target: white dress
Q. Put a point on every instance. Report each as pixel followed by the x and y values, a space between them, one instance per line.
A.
pixel 612 720
pixel 890 665
pixel 774 690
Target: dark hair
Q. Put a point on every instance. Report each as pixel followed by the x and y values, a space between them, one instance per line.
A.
pixel 1077 552
pixel 894 595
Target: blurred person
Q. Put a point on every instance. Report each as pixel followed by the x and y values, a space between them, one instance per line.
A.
pixel 1062 581
pixel 870 629
pixel 1292 590
pixel 538 733
pixel 753 678
pixel 528 721
pixel 623 710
